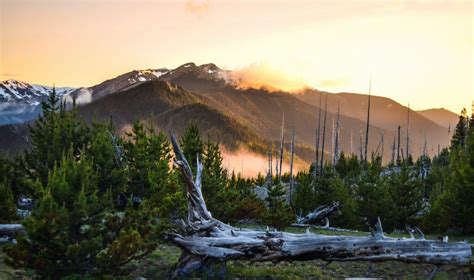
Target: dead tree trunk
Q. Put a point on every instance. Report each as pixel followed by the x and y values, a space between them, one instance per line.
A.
pixel 324 136
pixel 408 132
pixel 292 184
pixel 319 215
pixel 398 148
pixel 206 241
pixel 368 125
pixel 282 143
pixel 318 133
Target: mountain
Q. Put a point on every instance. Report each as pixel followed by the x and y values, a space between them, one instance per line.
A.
pixel 238 117
pixel 441 116
pixel 387 115
pixel 20 101
pixel 170 108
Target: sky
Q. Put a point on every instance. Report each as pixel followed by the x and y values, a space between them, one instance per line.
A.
pixel 417 52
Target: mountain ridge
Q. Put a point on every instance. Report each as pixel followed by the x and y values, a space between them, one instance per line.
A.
pixel 256 110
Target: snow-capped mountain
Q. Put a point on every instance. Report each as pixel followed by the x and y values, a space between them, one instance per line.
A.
pixel 188 72
pixel 20 101
pixel 14 90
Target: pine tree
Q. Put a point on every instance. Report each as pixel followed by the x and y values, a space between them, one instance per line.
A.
pixel 279 214
pixel 108 159
pixel 304 193
pixel 148 156
pixel 192 145
pixel 53 133
pixel 7 203
pixel 406 194
pixel 372 195
pixel 453 209
pixel 214 175
pixel 73 229
pixel 461 130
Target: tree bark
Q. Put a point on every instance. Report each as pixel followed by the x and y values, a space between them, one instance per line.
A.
pixel 206 241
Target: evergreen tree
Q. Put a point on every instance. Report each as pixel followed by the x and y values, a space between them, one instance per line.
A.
pixel 304 193
pixel 406 194
pixel 73 230
pixel 461 131
pixel 7 203
pixel 330 188
pixel 454 208
pixel 192 145
pixel 148 156
pixel 372 195
pixel 214 177
pixel 107 157
pixel 279 214
pixel 53 133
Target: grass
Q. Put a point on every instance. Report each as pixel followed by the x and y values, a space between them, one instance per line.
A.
pixel 161 263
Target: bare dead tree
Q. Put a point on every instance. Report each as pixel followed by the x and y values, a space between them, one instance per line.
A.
pixel 336 140
pixel 206 241
pixel 398 147
pixel 324 136
pixel 368 124
pixel 352 145
pixel 318 133
pixel 393 151
pixel 360 144
pixel 291 165
pixel 282 145
pixel 408 132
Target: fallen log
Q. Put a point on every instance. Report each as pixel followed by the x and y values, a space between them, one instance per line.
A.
pixel 325 227
pixel 319 215
pixel 206 241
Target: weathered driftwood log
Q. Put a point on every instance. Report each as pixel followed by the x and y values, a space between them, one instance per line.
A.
pixel 319 215
pixel 208 241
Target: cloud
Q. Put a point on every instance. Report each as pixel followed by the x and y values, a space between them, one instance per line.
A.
pixel 333 83
pixel 260 75
pixel 249 164
pixel 198 7
pixel 83 96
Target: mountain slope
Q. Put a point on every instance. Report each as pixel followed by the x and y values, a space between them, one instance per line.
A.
pixel 153 95
pixel 386 114
pixel 441 116
pixel 20 101
pixel 170 108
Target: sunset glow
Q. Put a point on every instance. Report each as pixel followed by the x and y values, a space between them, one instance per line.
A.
pixel 418 52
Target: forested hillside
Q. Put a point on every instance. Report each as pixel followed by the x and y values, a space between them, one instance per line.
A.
pixel 102 200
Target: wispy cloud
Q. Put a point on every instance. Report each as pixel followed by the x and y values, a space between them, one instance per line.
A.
pixel 259 75
pixel 333 83
pixel 198 7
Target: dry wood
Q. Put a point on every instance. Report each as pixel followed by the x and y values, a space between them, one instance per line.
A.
pixel 319 215
pixel 206 241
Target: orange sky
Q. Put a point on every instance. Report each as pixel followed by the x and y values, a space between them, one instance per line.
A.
pixel 416 51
